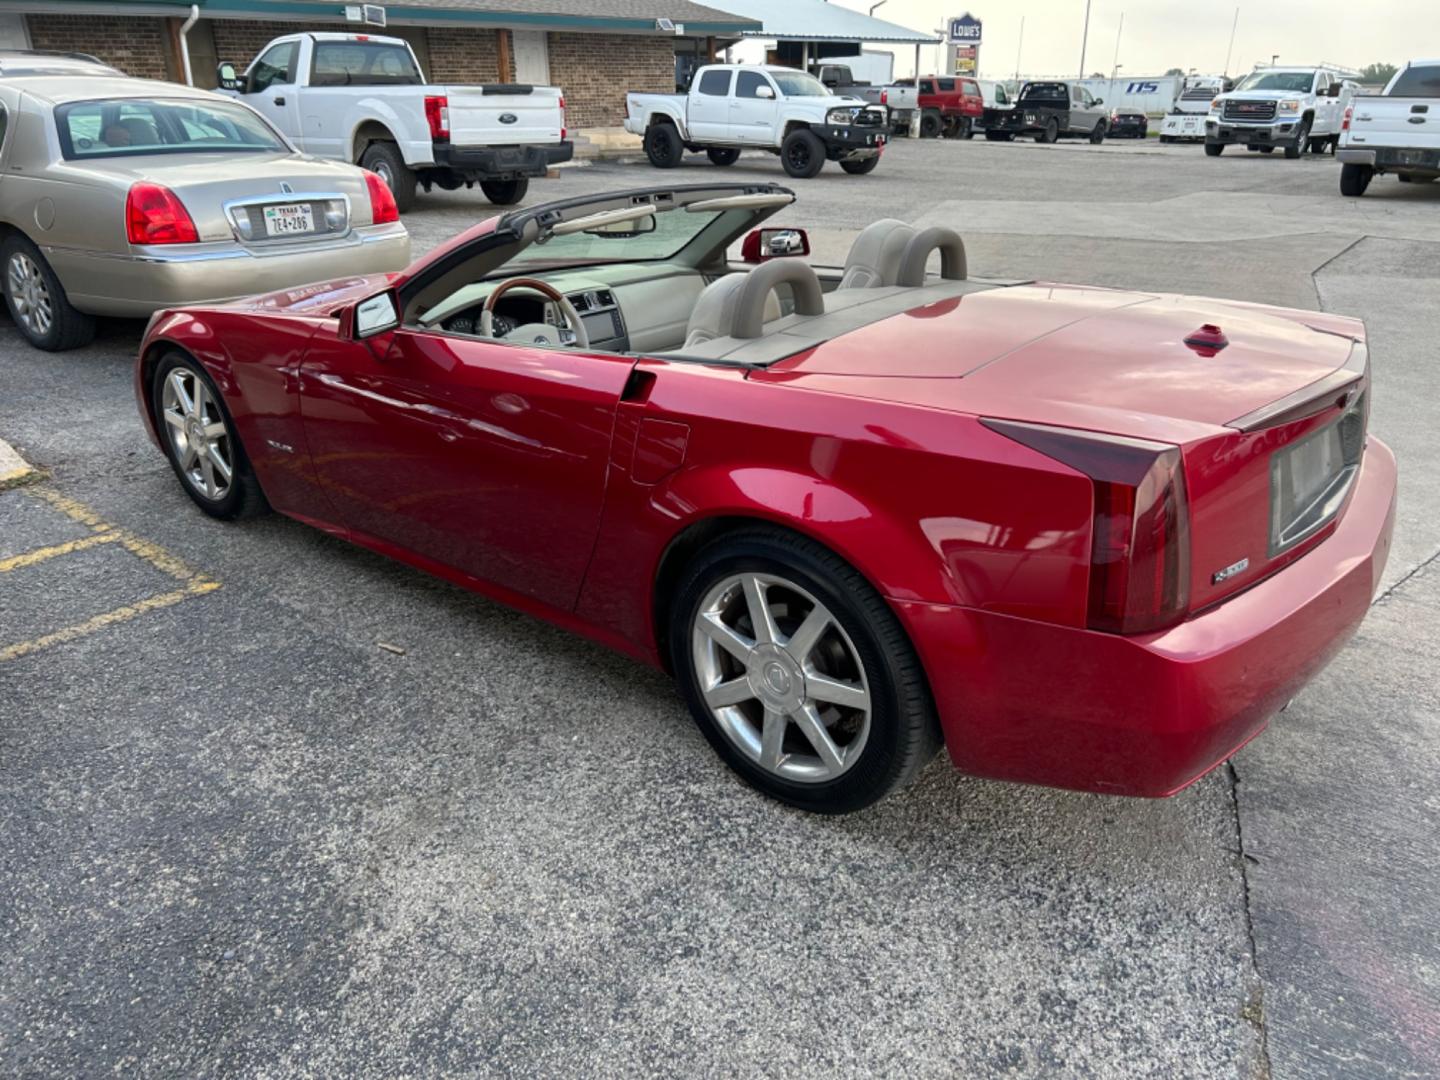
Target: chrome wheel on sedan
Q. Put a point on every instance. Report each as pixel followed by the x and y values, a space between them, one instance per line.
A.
pixel 781 677
pixel 198 435
pixel 34 309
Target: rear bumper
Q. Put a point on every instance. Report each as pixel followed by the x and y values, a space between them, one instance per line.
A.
pixel 501 162
pixel 135 285
pixel 1149 715
pixel 1391 157
pixel 847 142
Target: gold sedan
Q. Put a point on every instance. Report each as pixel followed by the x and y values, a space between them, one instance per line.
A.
pixel 122 196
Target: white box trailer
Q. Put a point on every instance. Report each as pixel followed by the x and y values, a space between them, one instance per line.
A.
pixel 1153 95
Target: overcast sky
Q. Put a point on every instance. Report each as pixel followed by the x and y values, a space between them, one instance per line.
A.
pixel 1161 34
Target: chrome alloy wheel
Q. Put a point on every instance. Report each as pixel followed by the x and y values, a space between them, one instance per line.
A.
pixel 781 678
pixel 30 295
pixel 197 434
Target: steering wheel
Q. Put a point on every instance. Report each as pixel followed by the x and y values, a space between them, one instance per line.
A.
pixel 539 333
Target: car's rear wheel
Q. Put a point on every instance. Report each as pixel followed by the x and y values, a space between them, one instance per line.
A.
pixel 1050 133
pixel 861 166
pixel 505 192
pixel 200 440
pixel 385 161
pixel 799 674
pixel 930 125
pixel 723 155
pixel 1354 179
pixel 663 146
pixel 37 301
pixel 802 153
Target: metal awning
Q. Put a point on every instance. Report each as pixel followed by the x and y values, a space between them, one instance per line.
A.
pixel 815 20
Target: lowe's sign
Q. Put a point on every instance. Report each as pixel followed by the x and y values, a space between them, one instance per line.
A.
pixel 964 31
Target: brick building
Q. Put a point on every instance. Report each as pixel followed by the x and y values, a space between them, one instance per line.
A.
pixel 595 50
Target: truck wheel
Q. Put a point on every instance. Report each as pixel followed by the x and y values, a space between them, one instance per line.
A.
pixel 929 125
pixel 505 192
pixel 721 156
pixel 1301 142
pixel 1098 135
pixel 1051 133
pixel 1354 179
pixel 385 161
pixel 663 146
pixel 802 153
pixel 37 300
pixel 999 136
pixel 861 167
pixel 967 128
pixel 1214 149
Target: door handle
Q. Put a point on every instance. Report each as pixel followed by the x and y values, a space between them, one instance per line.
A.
pixel 279 101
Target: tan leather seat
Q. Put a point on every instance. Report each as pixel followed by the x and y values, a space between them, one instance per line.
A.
pixel 874 259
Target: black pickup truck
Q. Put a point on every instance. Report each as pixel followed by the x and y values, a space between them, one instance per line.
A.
pixel 1048 110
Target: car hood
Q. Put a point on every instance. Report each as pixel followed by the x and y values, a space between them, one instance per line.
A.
pixel 1263 95
pixel 1101 359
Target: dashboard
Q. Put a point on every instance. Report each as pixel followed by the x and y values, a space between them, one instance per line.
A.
pixel 598 310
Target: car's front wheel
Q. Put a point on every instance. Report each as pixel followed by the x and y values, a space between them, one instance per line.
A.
pixel 505 192
pixel 37 300
pixel 861 166
pixel 1097 134
pixel 799 674
pixel 802 153
pixel 1214 149
pixel 1301 142
pixel 200 440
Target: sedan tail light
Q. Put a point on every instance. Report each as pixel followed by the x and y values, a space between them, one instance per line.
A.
pixel 437 115
pixel 1140 541
pixel 153 215
pixel 382 202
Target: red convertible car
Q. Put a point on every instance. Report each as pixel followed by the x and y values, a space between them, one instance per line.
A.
pixel 1085 537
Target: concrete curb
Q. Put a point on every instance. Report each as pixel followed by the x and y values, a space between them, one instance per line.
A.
pixel 14 470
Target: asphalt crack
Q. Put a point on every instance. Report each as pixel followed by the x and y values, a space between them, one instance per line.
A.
pixel 1253 1011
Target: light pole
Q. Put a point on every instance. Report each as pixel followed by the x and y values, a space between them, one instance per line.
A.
pixel 1085 39
pixel 1228 52
pixel 881 4
pixel 1116 69
pixel 1017 52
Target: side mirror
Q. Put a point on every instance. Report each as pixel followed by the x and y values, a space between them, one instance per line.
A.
pixel 227 79
pixel 765 92
pixel 1099 101
pixel 373 316
pixel 762 244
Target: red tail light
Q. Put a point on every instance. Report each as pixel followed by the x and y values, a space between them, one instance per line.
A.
pixel 437 115
pixel 1349 112
pixel 153 215
pixel 562 115
pixel 884 97
pixel 1140 543
pixel 382 202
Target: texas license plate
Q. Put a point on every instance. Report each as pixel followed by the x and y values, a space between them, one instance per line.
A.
pixel 288 219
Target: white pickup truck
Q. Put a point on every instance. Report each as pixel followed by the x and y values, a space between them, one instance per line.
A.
pixel 1297 108
pixel 734 107
pixel 362 99
pixel 1398 132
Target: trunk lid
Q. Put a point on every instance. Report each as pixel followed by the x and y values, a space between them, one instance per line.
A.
pixel 504 115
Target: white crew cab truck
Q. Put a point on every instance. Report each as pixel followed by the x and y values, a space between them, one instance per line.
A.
pixel 735 107
pixel 1297 108
pixel 362 99
pixel 1398 132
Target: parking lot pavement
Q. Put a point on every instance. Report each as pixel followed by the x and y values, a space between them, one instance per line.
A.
pixel 241 837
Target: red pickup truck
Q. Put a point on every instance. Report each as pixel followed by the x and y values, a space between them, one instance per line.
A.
pixel 949 106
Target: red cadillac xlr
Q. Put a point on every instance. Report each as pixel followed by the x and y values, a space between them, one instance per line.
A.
pixel 1085 537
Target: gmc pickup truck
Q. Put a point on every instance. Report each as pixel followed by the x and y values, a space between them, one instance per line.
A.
pixel 362 99
pixel 1398 132
pixel 1297 108
pixel 734 107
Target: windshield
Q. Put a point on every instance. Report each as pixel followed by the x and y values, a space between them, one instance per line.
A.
pixel 1417 82
pixel 1297 82
pixel 673 230
pixel 133 126
pixel 799 84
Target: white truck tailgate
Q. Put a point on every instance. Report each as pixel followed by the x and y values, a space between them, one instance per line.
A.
pixel 1411 122
pixel 520 115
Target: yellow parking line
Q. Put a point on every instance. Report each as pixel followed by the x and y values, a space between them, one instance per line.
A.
pixel 30 558
pixel 110 618
pixel 193 582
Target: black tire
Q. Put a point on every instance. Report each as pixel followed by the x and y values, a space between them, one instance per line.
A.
pixel 1051 134
pixel 1354 179
pixel 930 125
pixel 999 136
pixel 40 292
pixel 1319 146
pixel 904 733
pixel 505 192
pixel 802 153
pixel 1297 146
pixel 722 155
pixel 967 127
pixel 1403 178
pixel 861 167
pixel 663 146
pixel 1266 149
pixel 1214 149
pixel 1097 136
pixel 385 159
pixel 243 498
pixel 1253 149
